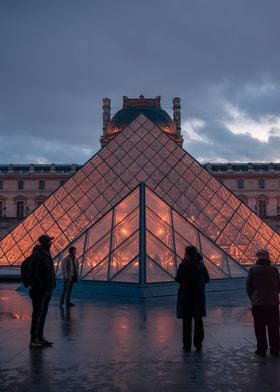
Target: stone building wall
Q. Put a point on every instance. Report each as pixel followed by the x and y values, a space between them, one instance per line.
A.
pixel 258 185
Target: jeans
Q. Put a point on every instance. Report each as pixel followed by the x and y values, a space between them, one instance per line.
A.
pixel 40 303
pixel 67 288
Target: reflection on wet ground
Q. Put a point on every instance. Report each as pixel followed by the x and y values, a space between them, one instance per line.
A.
pixel 114 344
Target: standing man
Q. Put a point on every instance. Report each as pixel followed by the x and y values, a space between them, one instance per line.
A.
pixel 192 276
pixel 263 287
pixel 42 283
pixel 70 275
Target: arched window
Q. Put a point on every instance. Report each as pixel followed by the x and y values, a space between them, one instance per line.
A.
pixel 261 183
pixel 240 183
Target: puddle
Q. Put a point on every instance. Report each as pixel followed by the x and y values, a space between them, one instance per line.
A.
pixel 13 316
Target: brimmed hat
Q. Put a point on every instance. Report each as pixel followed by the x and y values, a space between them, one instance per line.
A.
pixel 45 238
pixel 263 252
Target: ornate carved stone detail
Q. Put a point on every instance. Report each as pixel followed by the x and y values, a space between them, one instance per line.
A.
pixel 177 114
pixel 106 114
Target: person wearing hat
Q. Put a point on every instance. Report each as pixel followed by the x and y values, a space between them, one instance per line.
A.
pixel 40 290
pixel 263 287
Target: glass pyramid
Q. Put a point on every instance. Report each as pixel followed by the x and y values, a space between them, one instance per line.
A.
pixel 142 152
pixel 111 250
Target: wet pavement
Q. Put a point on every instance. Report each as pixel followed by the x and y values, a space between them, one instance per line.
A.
pixel 114 344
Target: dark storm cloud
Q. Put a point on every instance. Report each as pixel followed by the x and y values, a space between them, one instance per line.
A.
pixel 59 58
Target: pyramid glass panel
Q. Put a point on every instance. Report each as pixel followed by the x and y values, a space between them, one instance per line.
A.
pixel 178 179
pixel 213 253
pixel 156 205
pixel 125 229
pixel 214 271
pixel 155 273
pixel 99 271
pixel 181 243
pixel 96 253
pixel 123 255
pixel 161 254
pixel 159 228
pixel 129 204
pixel 185 229
pixel 99 230
pixel 129 274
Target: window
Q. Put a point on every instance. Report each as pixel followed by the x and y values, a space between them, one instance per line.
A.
pixel 20 209
pixel 41 184
pixel 1 184
pixel 20 184
pixel 261 183
pixel 240 184
pixel 262 207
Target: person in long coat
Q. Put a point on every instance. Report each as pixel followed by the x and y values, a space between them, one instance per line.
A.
pixel 192 276
pixel 263 288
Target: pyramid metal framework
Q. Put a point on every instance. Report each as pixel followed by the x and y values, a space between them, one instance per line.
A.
pixel 140 241
pixel 144 153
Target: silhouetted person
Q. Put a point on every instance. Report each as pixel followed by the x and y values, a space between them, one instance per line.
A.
pixel 70 275
pixel 192 276
pixel 40 290
pixel 263 287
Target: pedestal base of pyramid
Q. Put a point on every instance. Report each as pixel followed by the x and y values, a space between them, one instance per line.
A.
pixel 133 290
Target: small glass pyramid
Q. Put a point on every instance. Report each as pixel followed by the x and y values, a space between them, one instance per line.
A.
pixel 111 250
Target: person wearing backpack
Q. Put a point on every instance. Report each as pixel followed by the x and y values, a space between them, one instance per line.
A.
pixel 41 279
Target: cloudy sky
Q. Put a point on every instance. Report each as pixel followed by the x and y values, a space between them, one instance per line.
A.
pixel 59 58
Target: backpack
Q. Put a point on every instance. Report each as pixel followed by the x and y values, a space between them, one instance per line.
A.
pixel 26 271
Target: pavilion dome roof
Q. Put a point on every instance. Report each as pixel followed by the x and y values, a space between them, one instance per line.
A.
pixel 150 108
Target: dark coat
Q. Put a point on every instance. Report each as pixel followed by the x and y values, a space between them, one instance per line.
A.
pixel 263 284
pixel 42 270
pixel 192 276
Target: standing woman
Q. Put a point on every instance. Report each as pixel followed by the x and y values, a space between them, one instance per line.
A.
pixel 192 276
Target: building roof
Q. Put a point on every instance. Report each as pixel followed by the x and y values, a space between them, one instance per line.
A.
pixel 38 168
pixel 243 167
pixel 150 107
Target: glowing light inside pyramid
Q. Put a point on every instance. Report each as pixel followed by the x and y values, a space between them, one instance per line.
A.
pixel 141 153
